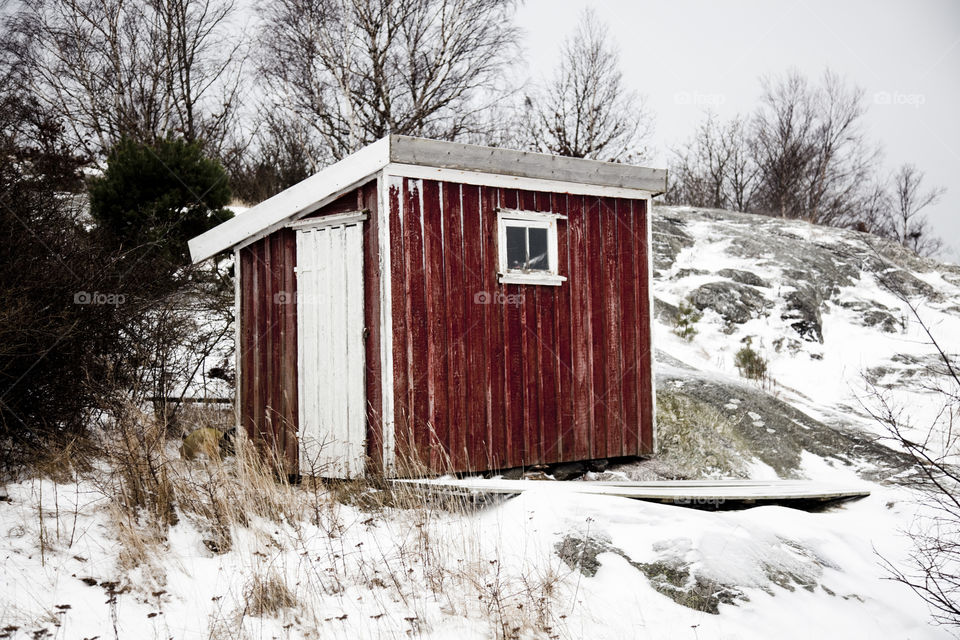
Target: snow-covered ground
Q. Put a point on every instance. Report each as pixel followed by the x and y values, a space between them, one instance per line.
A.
pixel 548 564
pixel 358 574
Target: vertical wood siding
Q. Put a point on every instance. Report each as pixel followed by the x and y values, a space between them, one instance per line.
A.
pixel 333 422
pixel 268 335
pixel 488 375
pixel 268 348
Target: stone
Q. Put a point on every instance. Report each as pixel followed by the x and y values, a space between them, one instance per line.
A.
pixel 736 303
pixel 803 313
pixel 744 277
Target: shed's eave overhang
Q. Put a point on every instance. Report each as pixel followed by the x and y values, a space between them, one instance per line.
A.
pixel 319 189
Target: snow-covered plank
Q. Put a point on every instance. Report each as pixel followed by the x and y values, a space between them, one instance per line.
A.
pixel 673 491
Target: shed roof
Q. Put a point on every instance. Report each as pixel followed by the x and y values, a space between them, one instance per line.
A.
pixel 312 193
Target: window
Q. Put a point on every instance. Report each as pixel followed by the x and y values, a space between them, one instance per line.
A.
pixel 528 247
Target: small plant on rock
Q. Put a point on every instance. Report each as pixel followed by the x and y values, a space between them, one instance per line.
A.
pixel 749 362
pixel 687 318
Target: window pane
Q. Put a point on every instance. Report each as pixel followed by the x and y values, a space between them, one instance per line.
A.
pixel 516 247
pixel 538 250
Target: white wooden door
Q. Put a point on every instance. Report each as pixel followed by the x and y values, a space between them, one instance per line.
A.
pixel 330 338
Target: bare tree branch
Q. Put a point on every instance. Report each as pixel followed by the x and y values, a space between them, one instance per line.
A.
pixel 585 111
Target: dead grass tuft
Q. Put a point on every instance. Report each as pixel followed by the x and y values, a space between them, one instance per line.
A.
pixel 268 595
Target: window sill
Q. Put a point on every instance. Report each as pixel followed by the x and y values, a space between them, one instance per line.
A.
pixel 547 279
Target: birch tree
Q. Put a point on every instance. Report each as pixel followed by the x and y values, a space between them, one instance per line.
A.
pixel 116 69
pixel 353 71
pixel 586 110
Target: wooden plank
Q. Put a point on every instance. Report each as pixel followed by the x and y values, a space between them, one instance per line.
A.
pixel 548 363
pixel 452 155
pixel 275 378
pixel 695 493
pixel 401 335
pixel 595 278
pixel 457 293
pixel 258 295
pixel 494 318
pixel 292 353
pixel 645 379
pixel 477 429
pixel 417 344
pixel 246 345
pixel 628 329
pixel 611 400
pixel 529 365
pixel 435 379
pixel 580 343
pixel 371 306
pixel 514 409
pixel 502 181
pixel 356 401
pixel 563 321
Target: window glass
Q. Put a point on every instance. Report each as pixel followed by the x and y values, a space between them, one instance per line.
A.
pixel 537 249
pixel 516 247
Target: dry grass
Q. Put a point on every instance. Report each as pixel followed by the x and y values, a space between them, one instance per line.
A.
pixel 404 550
pixel 268 595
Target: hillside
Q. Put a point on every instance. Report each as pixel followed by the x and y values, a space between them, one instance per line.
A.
pixel 223 552
pixel 827 310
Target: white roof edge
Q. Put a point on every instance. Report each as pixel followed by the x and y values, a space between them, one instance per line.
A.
pixel 289 202
pixel 357 167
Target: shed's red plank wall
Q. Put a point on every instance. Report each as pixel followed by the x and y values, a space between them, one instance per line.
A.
pixel 488 375
pixel 268 345
pixel 268 321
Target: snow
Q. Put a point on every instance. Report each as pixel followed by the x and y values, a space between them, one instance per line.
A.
pixel 426 572
pixel 189 592
pixel 832 373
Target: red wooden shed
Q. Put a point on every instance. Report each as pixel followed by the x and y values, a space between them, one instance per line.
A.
pixel 426 307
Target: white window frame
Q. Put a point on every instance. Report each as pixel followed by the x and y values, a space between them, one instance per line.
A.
pixel 535 220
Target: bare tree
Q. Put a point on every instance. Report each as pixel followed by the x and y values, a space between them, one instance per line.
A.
pixel 585 111
pixel 842 161
pixel 934 569
pixel 782 129
pixel 144 70
pixel 903 221
pixel 715 169
pixel 811 150
pixel 281 153
pixel 352 71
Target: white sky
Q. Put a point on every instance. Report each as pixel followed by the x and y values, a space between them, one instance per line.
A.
pixel 689 55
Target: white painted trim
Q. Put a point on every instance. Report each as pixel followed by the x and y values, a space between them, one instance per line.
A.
pixel 529 278
pixel 337 220
pixel 529 164
pixel 653 368
pixel 319 204
pixel 238 345
pixel 430 159
pixel 387 419
pixel 510 182
pixel 530 220
pixel 532 216
pixel 300 198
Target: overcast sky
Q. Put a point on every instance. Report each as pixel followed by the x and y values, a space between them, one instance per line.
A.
pixel 686 56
